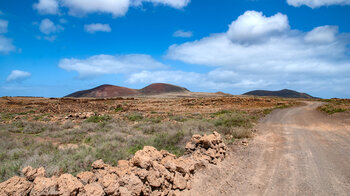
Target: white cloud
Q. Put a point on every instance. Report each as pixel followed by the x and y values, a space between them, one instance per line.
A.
pixel 6 45
pixel 317 3
pixel 47 27
pixel 214 80
pixel 115 7
pixel 323 34
pixel 3 26
pixel 92 28
pixel 289 51
pixel 178 4
pixel 108 64
pixel 47 6
pixel 181 33
pixel 18 76
pixel 254 25
pixel 82 7
pixel 179 77
pixel 270 57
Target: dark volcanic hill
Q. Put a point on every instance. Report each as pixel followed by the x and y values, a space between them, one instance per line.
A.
pixel 158 88
pixel 282 93
pixel 106 91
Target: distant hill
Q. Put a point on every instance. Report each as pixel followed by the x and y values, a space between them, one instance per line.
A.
pixel 286 93
pixel 158 88
pixel 107 91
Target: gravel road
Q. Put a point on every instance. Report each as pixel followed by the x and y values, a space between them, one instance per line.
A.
pixel 297 151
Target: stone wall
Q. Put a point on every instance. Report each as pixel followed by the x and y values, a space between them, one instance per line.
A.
pixel 149 172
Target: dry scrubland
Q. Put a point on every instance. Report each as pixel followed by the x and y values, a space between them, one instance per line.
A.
pixel 68 135
pixel 333 106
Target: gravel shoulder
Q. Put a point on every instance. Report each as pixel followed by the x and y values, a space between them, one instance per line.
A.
pixel 297 151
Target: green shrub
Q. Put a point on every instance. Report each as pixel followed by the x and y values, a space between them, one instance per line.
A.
pixel 98 119
pixel 119 109
pixel 329 109
pixel 234 120
pixel 134 116
pixel 221 112
pixel 26 127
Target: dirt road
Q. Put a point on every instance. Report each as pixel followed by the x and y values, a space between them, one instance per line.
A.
pixel 297 151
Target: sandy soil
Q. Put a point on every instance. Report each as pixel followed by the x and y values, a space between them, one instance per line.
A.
pixel 297 151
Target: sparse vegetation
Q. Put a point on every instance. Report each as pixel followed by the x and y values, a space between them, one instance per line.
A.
pixel 136 116
pixel 335 106
pixel 98 119
pixel 70 144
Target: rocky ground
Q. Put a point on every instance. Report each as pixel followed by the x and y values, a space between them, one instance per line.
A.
pixel 63 109
pixel 63 138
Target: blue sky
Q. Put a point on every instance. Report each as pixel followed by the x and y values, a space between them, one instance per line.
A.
pixel 54 47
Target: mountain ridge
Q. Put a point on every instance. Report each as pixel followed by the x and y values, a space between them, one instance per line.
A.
pixel 285 93
pixel 108 91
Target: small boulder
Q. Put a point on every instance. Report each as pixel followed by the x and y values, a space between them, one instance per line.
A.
pixel 110 184
pixel 99 164
pixel 180 181
pixel 86 177
pixel 143 158
pixel 93 189
pixel 16 186
pixel 45 187
pixel 31 173
pixel 132 184
pixel 69 185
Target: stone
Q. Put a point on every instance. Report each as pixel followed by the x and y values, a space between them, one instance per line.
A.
pixel 93 189
pixel 86 177
pixel 16 186
pixel 31 173
pixel 143 158
pixel 110 184
pixel 180 181
pixel 132 183
pixel 99 164
pixel 45 187
pixel 69 185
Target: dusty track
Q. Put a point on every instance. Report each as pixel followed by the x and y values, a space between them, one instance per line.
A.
pixel 297 151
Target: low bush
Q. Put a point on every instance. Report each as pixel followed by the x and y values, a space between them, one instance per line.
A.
pixel 136 116
pixel 98 119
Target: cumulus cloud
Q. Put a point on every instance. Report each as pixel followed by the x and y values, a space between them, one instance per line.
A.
pixel 290 51
pixel 215 80
pixel 47 6
pixel 164 77
pixel 18 76
pixel 47 27
pixel 6 45
pixel 260 50
pixel 182 33
pixel 254 25
pixel 108 64
pixel 92 28
pixel 3 26
pixel 115 7
pixel 172 3
pixel 317 3
pixel 324 34
pixel 81 7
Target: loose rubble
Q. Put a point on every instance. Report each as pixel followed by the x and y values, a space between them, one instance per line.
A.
pixel 149 172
